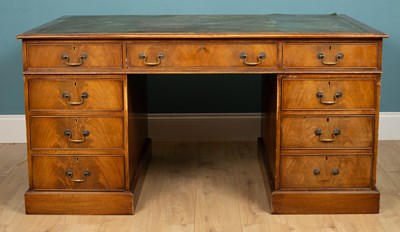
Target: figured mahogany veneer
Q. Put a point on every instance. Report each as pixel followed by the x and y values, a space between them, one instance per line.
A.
pixel 80 54
pixel 96 173
pixel 52 92
pixel 202 54
pixel 103 133
pixel 325 171
pixel 86 105
pixel 354 55
pixel 309 92
pixel 302 132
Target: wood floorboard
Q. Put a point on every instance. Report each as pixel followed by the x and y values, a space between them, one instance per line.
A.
pixel 173 204
pixel 217 207
pixel 311 223
pixel 389 215
pixel 11 156
pixel 384 182
pixel 13 182
pixel 358 222
pixel 253 207
pixel 199 187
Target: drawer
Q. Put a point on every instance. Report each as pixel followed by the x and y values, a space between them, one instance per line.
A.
pixel 78 172
pixel 75 55
pixel 56 93
pixel 331 132
pixel 331 55
pixel 77 132
pixel 319 171
pixel 202 54
pixel 325 94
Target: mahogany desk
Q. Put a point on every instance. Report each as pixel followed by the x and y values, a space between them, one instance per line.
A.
pixel 85 98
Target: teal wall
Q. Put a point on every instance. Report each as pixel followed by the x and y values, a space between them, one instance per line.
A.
pixel 192 93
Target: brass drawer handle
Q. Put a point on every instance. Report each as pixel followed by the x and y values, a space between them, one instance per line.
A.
pixel 318 132
pixel 67 97
pixel 71 176
pixel 335 171
pixel 338 57
pixel 260 57
pixel 82 59
pixel 316 172
pixel 143 56
pixel 68 133
pixel 337 95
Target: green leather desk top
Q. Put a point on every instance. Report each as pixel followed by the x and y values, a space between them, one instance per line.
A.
pixel 204 26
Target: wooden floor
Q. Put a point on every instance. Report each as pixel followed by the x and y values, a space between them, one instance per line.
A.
pixel 199 187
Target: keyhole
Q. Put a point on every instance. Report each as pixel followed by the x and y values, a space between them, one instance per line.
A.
pixel 76 120
pixel 327 119
pixel 74 48
pixel 330 47
pixel 329 83
pixel 326 157
pixel 75 84
pixel 77 159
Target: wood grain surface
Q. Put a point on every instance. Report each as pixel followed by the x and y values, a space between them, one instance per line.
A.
pixel 46 93
pixel 301 93
pixel 355 132
pixel 202 54
pixel 99 55
pixel 105 132
pixel 305 55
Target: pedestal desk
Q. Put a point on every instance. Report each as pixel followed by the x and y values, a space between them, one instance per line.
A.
pixel 85 98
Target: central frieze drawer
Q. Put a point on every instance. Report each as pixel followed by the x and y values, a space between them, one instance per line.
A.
pixel 74 56
pixel 78 172
pixel 330 55
pixel 331 171
pixel 58 93
pixel 77 132
pixel 330 132
pixel 199 54
pixel 325 94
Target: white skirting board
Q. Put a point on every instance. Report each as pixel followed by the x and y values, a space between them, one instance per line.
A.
pixel 198 127
pixel 12 129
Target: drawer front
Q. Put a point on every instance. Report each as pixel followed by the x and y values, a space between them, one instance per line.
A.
pixel 159 54
pixel 78 172
pixel 319 171
pixel 331 132
pixel 330 55
pixel 76 133
pixel 72 94
pixel 74 55
pixel 325 94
